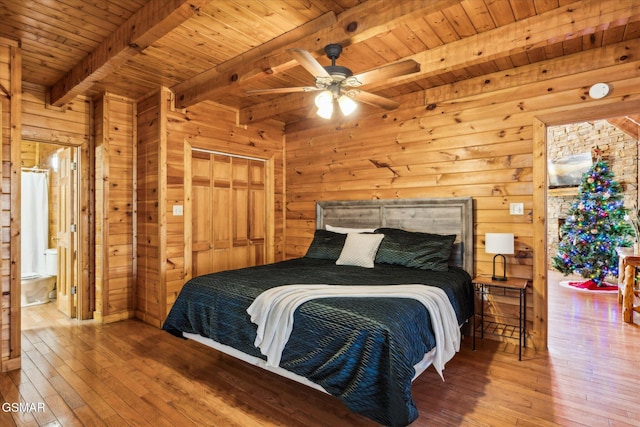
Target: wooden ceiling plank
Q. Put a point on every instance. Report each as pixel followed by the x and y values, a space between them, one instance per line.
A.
pixel 359 23
pixel 273 13
pixel 553 50
pixel 500 12
pixel 255 61
pixel 613 35
pixel 534 77
pixel 442 27
pixel 151 22
pixel 306 9
pixel 626 125
pixel 571 46
pixel 479 15
pixel 545 5
pixel 632 30
pixel 595 58
pixel 234 17
pixel 523 9
pixel 405 35
pixel 69 15
pixel 220 46
pixel 43 28
pixel 460 21
pixel 424 33
pixel 567 23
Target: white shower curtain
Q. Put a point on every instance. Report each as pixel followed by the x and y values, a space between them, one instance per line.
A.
pixel 35 222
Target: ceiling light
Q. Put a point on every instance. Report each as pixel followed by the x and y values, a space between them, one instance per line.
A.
pixel 599 90
pixel 347 105
pixel 324 102
pixel 326 112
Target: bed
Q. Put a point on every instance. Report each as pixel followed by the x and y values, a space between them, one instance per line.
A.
pixel 367 343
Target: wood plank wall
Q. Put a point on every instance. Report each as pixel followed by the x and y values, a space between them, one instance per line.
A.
pixel 162 240
pixel 473 138
pixel 115 154
pixel 149 253
pixel 10 120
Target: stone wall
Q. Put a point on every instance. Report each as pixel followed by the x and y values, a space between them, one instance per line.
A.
pixel 619 150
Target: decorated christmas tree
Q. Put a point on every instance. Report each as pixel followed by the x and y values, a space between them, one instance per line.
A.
pixel 596 224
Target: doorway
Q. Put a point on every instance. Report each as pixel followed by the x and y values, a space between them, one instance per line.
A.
pixel 617 141
pixel 540 182
pixel 50 261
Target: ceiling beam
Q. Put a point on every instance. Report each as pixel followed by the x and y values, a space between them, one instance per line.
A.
pixel 627 125
pixel 359 23
pixel 564 23
pixel 150 23
pixel 255 63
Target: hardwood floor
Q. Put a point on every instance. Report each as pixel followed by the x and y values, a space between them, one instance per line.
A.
pixel 128 373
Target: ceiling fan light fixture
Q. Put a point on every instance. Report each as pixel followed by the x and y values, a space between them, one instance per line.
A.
pixel 324 102
pixel 326 112
pixel 347 105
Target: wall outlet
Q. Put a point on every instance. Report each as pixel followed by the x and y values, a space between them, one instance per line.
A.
pixel 516 208
pixel 177 210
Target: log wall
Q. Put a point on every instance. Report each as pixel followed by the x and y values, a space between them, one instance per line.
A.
pixel 164 240
pixel 115 188
pixel 151 143
pixel 474 138
pixel 10 121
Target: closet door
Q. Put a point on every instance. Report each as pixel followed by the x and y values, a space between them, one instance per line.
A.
pixel 228 222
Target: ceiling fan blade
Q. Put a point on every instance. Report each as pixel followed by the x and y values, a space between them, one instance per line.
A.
pixel 309 62
pixel 372 99
pixel 387 71
pixel 282 90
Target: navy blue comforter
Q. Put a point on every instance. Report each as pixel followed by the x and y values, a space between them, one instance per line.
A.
pixel 361 350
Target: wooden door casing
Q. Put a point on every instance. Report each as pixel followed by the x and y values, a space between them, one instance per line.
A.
pixel 229 212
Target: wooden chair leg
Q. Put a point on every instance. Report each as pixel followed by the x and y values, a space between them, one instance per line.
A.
pixel 627 294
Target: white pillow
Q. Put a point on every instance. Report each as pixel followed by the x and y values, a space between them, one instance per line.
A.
pixel 347 230
pixel 360 250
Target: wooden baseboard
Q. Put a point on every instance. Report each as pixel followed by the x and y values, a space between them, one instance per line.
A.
pixel 111 318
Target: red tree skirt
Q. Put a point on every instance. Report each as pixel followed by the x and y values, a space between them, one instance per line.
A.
pixel 590 285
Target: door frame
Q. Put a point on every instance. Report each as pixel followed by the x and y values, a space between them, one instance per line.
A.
pixel 85 223
pixel 540 265
pixel 188 205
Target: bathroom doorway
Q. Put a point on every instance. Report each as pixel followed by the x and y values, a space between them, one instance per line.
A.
pixel 49 236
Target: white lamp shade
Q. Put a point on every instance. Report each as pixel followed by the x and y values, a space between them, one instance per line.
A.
pixel 326 111
pixel 498 243
pixel 324 102
pixel 324 98
pixel 347 105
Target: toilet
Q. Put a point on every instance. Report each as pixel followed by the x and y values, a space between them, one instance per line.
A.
pixel 36 288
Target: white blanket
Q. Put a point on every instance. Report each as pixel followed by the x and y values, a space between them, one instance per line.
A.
pixel 273 312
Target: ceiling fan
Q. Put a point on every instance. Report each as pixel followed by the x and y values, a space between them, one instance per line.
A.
pixel 338 84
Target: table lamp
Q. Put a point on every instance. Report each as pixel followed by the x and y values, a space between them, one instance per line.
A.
pixel 499 244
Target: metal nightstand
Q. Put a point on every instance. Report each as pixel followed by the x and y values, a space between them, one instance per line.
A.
pixel 480 284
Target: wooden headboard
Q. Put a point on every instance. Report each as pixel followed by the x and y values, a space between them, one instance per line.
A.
pixel 440 216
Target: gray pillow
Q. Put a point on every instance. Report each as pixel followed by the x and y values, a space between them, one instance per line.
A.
pixel 425 251
pixel 326 245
